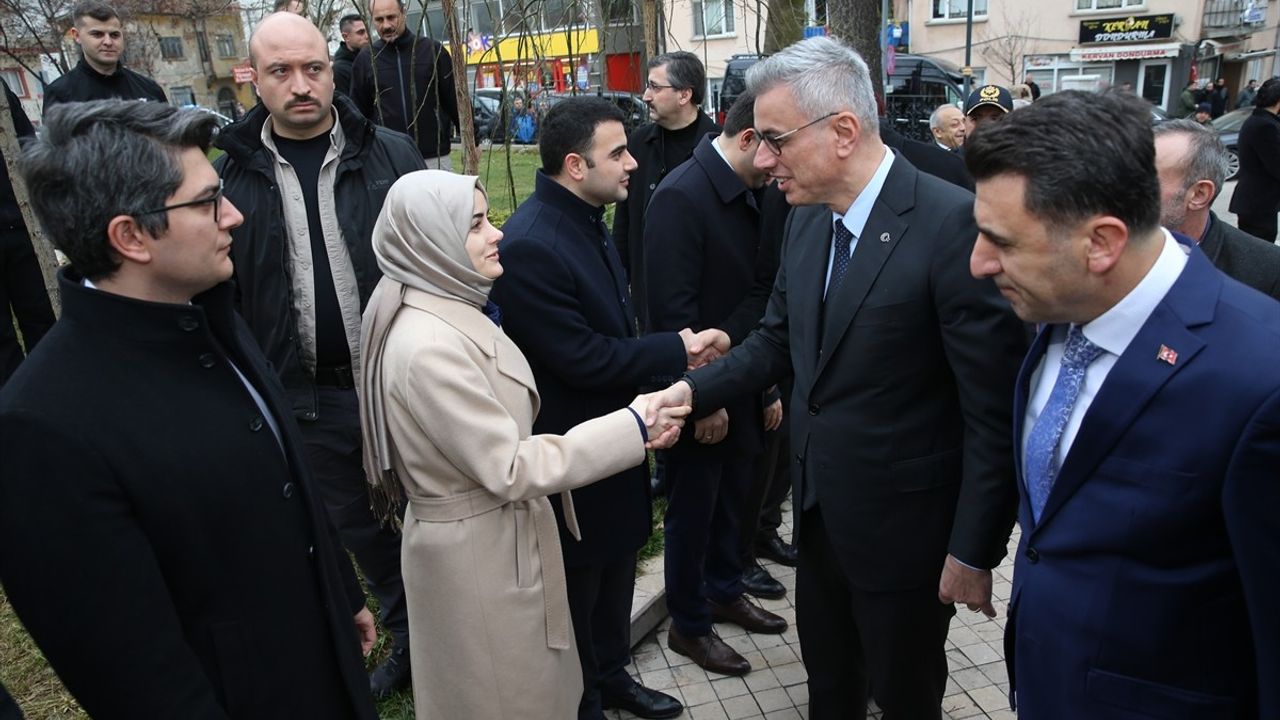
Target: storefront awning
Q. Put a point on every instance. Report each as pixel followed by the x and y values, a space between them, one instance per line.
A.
pixel 1109 53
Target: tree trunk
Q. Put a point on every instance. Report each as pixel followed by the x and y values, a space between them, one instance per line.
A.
pixel 649 19
pixel 785 25
pixel 44 251
pixel 467 129
pixel 860 24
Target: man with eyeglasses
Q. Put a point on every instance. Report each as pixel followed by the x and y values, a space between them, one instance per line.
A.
pixel 311 174
pixel 676 86
pixel 901 410
pixel 160 536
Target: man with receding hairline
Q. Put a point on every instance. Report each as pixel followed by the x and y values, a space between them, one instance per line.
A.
pixel 311 174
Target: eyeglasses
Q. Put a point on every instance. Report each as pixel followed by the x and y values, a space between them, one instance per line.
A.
pixel 774 142
pixel 656 87
pixel 215 200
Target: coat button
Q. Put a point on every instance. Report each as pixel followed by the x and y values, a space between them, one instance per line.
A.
pixel 287 490
pixel 309 415
pixel 814 409
pixel 207 360
pixel 1033 556
pixel 188 323
pixel 311 551
pixel 256 423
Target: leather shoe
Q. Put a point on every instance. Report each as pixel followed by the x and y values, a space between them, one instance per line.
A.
pixel 776 550
pixel 708 652
pixel 642 702
pixel 391 675
pixel 749 617
pixel 758 582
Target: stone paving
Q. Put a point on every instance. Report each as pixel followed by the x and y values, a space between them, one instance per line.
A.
pixel 776 690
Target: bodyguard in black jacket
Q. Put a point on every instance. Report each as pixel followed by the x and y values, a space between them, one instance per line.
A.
pixel 100 75
pixel 1257 196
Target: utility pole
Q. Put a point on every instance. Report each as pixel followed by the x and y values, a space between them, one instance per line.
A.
pixel 968 48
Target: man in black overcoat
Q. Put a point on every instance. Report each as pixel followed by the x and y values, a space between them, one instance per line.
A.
pixel 160 537
pixel 1257 196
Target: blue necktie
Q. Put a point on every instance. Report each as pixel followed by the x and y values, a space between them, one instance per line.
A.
pixel 1040 463
pixel 840 263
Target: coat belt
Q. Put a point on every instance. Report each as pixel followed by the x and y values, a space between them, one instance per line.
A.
pixel 555 589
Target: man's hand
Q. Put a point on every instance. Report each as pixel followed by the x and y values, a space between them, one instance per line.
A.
pixel 704 347
pixel 712 428
pixel 960 584
pixel 678 394
pixel 367 630
pixel 773 415
pixel 663 424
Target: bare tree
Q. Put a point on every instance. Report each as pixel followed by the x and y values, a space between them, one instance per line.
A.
pixel 859 23
pixel 1009 51
pixel 35 28
pixel 785 24
pixel 10 149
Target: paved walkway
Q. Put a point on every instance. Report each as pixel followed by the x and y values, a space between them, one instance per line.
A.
pixel 775 689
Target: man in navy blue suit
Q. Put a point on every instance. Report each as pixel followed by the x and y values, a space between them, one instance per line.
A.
pixel 1147 428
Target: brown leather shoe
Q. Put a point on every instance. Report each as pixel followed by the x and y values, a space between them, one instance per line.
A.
pixel 709 653
pixel 749 617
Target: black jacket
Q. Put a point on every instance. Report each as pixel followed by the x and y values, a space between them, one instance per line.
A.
pixel 342 61
pixel 167 553
pixel 1238 254
pixel 83 83
pixel 1258 189
pixel 564 302
pixel 10 214
pixel 628 219
pixel 372 160
pixel 928 157
pixel 414 72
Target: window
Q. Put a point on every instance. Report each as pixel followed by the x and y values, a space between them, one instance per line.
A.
pixel 226 46
pixel 171 48
pixel 182 96
pixel 485 16
pixel 618 11
pixel 434 23
pixel 958 9
pixel 1107 4
pixel 13 78
pixel 712 17
pixel 561 14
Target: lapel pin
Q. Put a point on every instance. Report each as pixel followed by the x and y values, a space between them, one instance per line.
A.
pixel 1167 354
pixel 884 237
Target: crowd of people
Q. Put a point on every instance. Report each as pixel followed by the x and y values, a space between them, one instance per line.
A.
pixel 318 351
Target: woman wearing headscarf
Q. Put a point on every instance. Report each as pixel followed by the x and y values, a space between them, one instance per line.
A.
pixel 447 405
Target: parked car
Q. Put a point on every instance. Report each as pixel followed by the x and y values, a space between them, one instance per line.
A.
pixel 734 83
pixel 1228 128
pixel 632 106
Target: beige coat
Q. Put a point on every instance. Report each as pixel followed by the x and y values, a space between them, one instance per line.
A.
pixel 488 610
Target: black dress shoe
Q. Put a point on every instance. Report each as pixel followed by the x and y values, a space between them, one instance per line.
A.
pixel 708 652
pixel 743 613
pixel 642 702
pixel 774 549
pixel 392 675
pixel 758 582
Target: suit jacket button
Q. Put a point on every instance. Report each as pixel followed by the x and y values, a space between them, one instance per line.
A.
pixel 207 360
pixel 256 423
pixel 309 415
pixel 287 490
pixel 1033 556
pixel 311 551
pixel 814 409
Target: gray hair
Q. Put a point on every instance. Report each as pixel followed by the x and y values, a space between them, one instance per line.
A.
pixel 96 160
pixel 935 119
pixel 1206 157
pixel 824 76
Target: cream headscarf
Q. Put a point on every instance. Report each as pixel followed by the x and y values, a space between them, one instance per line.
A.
pixel 420 242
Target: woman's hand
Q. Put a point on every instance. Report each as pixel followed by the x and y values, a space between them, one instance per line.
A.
pixel 664 424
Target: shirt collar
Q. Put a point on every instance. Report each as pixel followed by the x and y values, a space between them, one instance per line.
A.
pixel 1114 329
pixel 855 218
pixel 337 140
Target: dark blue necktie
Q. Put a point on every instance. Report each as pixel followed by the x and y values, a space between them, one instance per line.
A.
pixel 843 240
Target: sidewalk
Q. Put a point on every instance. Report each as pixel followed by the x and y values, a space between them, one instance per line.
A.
pixel 775 689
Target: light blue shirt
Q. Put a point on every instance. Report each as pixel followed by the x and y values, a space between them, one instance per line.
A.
pixel 855 218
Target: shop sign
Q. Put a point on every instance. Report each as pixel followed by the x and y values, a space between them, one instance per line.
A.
pixel 1135 28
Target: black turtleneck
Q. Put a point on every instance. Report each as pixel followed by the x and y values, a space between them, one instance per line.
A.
pixel 678 145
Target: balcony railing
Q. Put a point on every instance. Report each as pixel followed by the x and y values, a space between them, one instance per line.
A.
pixel 1223 17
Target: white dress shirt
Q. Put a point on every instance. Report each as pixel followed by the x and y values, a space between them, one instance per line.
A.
pixel 1112 331
pixel 855 218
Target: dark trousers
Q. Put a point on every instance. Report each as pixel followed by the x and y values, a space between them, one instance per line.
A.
pixel 857 644
pixel 23 294
pixel 1260 226
pixel 771 481
pixel 8 708
pixel 334 449
pixel 702 554
pixel 600 607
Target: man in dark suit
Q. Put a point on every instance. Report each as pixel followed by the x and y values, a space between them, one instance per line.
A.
pixel 1147 420
pixel 160 536
pixel 1190 162
pixel 703 230
pixel 564 301
pixel 1257 195
pixel 903 386
pixel 927 157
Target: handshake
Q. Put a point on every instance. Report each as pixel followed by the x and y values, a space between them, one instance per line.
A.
pixel 663 423
pixel 703 347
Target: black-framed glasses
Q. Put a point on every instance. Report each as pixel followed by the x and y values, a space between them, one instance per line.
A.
pixel 215 200
pixel 774 142
pixel 656 87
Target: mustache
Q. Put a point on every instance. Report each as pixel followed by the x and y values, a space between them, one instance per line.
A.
pixel 302 100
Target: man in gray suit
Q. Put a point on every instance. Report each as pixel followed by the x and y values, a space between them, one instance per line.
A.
pixel 1189 161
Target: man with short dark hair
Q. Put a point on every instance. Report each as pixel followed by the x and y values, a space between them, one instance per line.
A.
pixel 1147 427
pixel 1257 195
pixel 160 536
pixel 674 92
pixel 565 302
pixel 405 82
pixel 1247 95
pixel 311 174
pixel 355 37
pixel 100 74
pixel 1191 162
pixel 989 103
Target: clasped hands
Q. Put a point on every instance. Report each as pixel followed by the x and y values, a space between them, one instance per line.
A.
pixel 704 347
pixel 663 424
